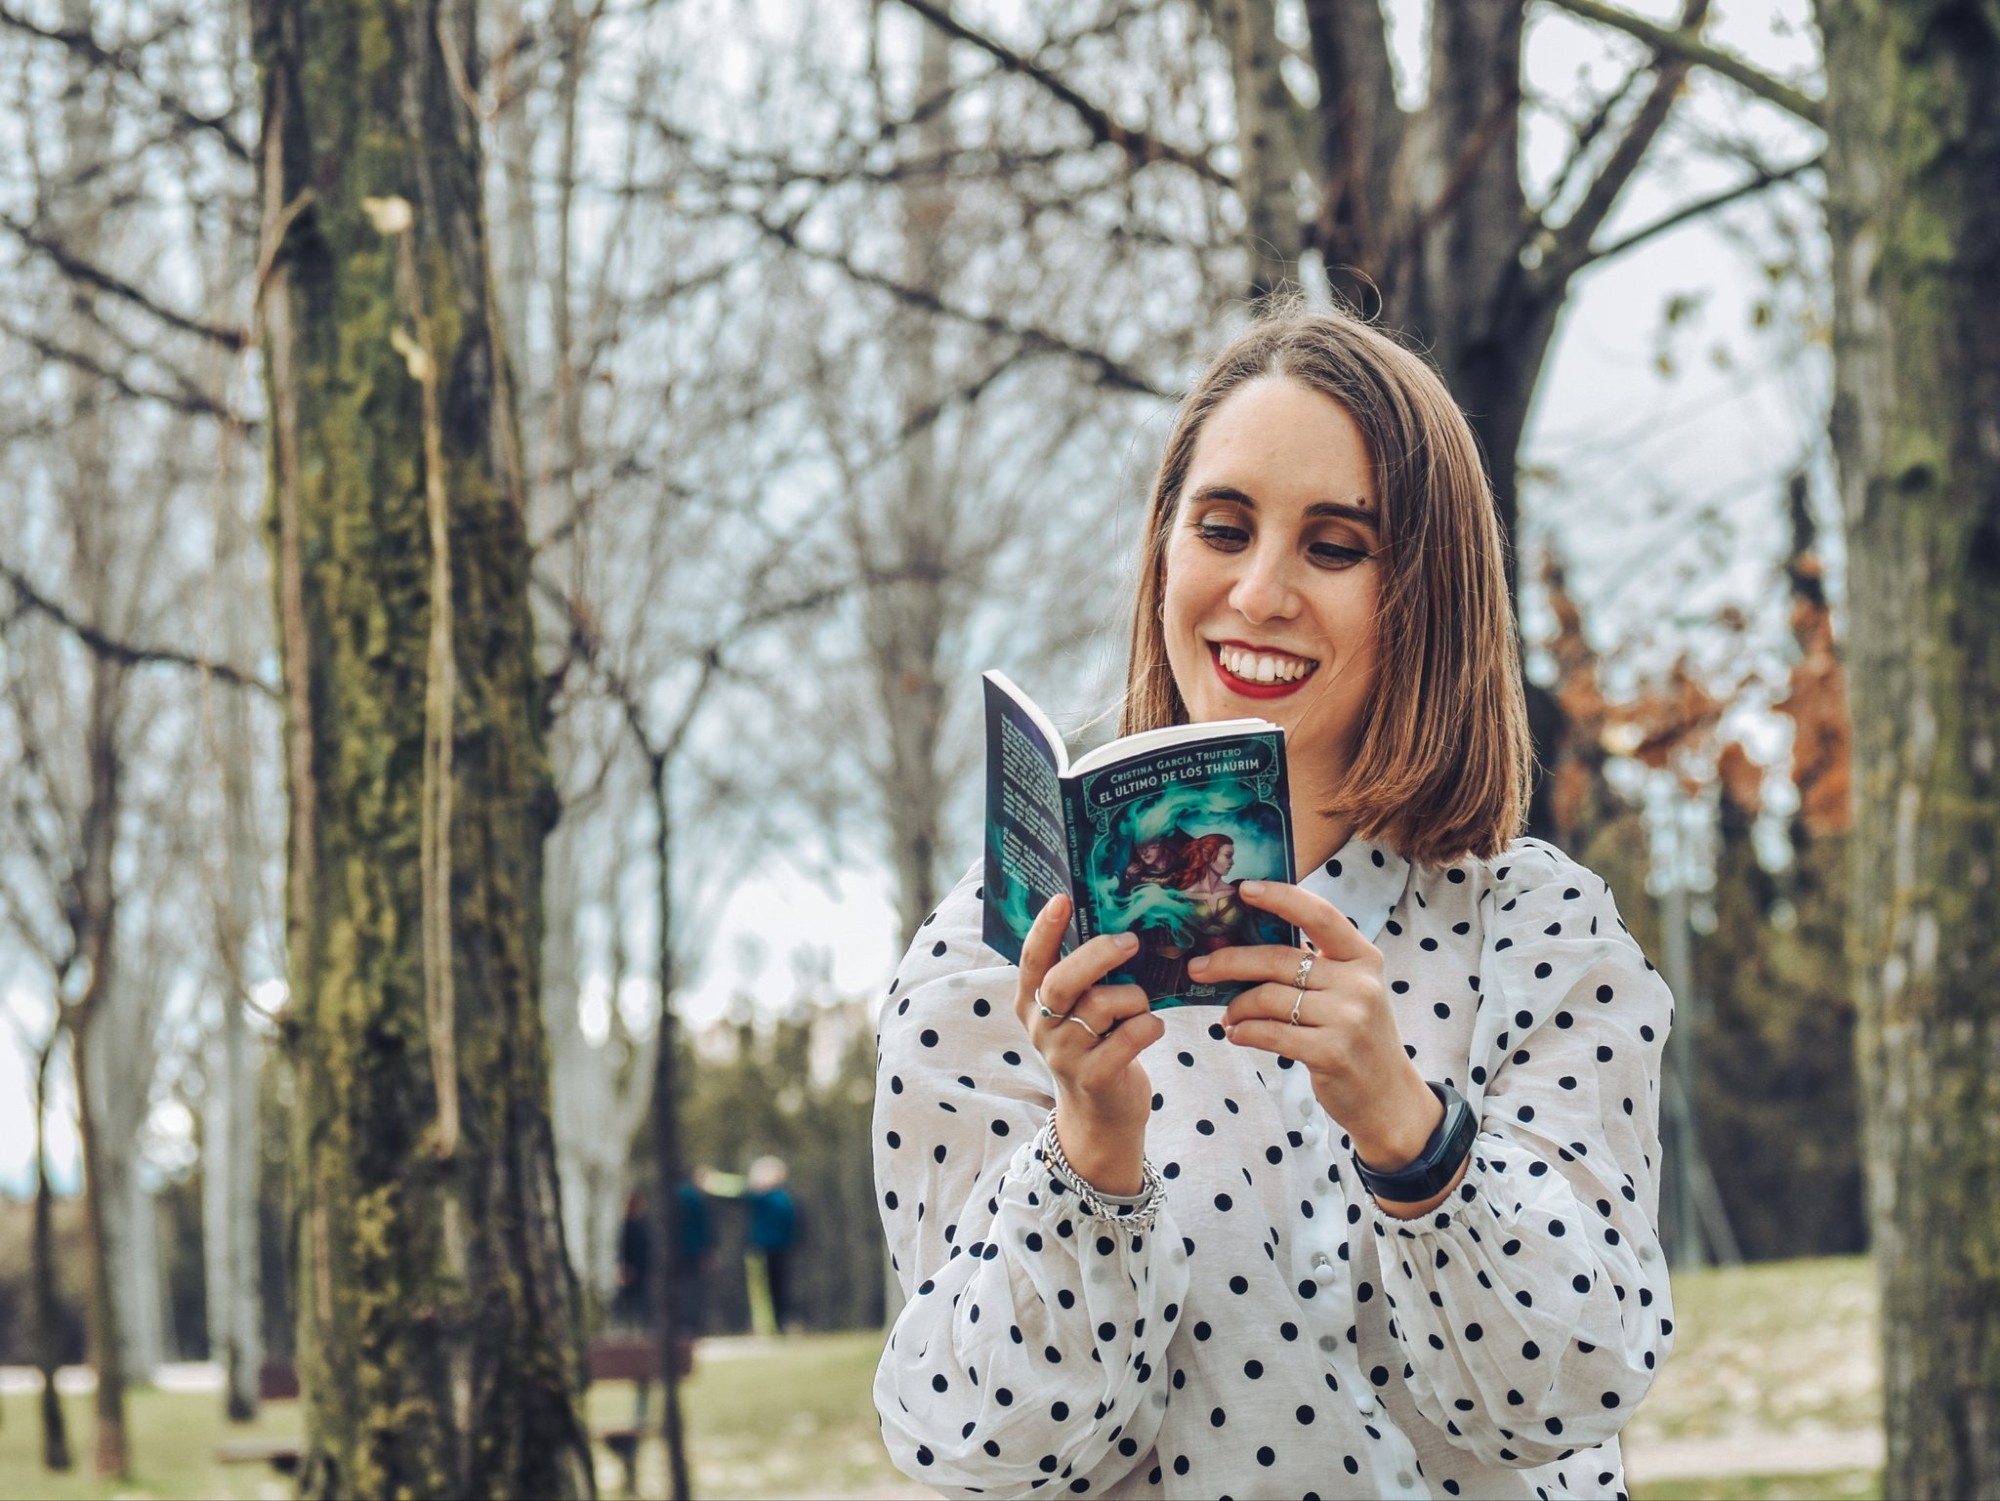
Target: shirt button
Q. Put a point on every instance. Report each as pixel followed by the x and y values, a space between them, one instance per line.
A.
pixel 1307 1107
pixel 1322 1270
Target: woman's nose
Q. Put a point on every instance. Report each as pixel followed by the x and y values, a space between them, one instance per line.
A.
pixel 1263 590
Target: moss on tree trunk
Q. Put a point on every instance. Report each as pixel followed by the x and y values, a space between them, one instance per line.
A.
pixel 437 1310
pixel 1913 110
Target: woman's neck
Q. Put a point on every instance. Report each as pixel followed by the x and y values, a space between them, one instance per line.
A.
pixel 1316 837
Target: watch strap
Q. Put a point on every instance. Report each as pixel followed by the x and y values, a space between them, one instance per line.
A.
pixel 1432 1171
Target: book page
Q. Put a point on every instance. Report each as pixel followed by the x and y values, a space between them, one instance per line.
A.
pixel 1027 859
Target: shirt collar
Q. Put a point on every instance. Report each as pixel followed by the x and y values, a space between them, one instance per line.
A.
pixel 1365 880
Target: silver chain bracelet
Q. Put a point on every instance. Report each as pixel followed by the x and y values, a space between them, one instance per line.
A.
pixel 1135 1216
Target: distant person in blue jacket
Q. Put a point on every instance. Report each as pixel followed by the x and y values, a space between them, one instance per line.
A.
pixel 773 1228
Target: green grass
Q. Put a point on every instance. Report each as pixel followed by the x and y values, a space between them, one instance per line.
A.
pixel 787 1419
pixel 1785 1348
pixel 173 1440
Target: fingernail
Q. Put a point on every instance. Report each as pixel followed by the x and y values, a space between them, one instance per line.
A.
pixel 1198 966
pixel 1128 941
pixel 1251 888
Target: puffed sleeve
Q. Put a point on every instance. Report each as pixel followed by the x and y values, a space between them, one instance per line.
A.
pixel 1025 1355
pixel 1532 1308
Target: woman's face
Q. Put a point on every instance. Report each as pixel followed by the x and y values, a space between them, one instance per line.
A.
pixel 1224 858
pixel 1271 584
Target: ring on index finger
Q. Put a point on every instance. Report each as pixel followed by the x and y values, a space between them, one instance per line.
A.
pixel 1305 969
pixel 1048 1015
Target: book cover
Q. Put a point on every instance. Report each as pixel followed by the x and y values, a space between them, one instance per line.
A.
pixel 1150 834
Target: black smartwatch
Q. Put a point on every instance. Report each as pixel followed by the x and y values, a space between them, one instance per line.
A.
pixel 1439 1161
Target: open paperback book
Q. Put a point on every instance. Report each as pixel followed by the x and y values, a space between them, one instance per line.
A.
pixel 1149 834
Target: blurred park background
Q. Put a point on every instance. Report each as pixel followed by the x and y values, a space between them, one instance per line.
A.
pixel 744 377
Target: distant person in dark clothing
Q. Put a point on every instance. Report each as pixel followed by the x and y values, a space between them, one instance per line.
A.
pixel 632 1304
pixel 773 1227
pixel 694 1236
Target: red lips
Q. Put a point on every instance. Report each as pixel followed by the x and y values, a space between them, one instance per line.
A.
pixel 1247 688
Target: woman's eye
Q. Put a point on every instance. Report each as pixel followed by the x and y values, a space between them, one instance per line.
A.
pixel 1333 555
pixel 1217 535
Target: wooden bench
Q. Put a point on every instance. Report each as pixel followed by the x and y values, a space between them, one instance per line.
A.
pixel 281 1454
pixel 613 1358
pixel 277 1381
pixel 634 1359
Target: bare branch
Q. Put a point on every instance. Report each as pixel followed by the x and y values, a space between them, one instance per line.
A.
pixel 1585 135
pixel 78 269
pixel 1762 179
pixel 125 60
pixel 188 398
pixel 1140 148
pixel 1686 43
pixel 121 652
pixel 1110 372
pixel 1572 240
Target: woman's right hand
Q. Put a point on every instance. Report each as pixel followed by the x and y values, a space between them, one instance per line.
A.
pixel 1103 1097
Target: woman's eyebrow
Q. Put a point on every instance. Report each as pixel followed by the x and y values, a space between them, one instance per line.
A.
pixel 1358 511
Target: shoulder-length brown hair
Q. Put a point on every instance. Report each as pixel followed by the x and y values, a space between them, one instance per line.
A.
pixel 1442 759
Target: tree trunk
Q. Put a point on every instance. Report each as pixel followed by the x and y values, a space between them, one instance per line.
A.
pixel 906 545
pixel 55 1432
pixel 121 1055
pixel 438 1320
pixel 229 1215
pixel 107 1355
pixel 95 928
pixel 231 1251
pixel 1913 164
pixel 666 1133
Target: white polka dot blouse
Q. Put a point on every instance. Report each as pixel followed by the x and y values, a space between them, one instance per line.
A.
pixel 1273 1333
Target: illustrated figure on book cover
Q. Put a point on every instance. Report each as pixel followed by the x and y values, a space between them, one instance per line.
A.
pixel 1167 867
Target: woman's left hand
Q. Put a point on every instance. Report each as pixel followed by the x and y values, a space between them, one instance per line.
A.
pixel 1329 1010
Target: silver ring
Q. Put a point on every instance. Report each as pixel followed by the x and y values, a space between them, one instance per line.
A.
pixel 1054 1016
pixel 1305 969
pixel 1086 1026
pixel 1297 1001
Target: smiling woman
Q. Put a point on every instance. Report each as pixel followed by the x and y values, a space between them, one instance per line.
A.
pixel 1331 470
pixel 1384 1225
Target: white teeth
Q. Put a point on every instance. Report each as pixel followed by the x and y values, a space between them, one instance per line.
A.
pixel 1263 667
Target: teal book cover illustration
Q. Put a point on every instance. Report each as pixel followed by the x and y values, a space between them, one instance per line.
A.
pixel 1150 834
